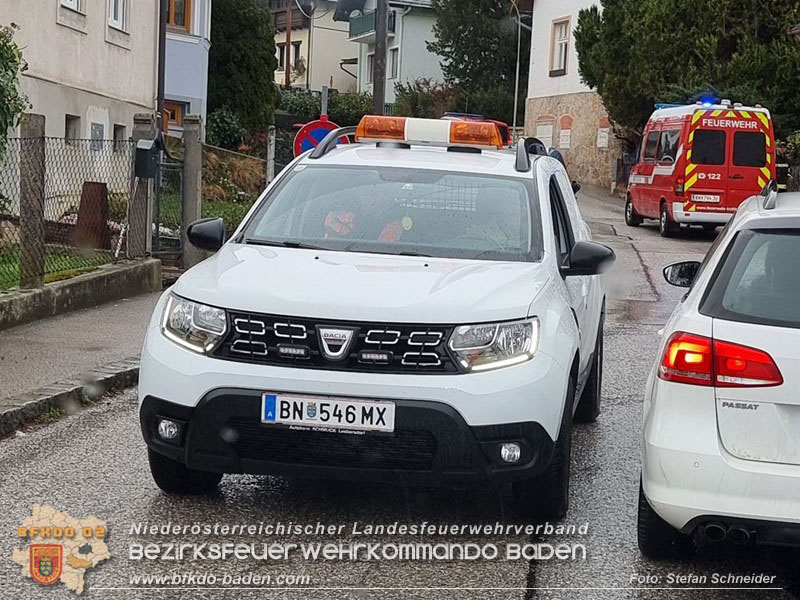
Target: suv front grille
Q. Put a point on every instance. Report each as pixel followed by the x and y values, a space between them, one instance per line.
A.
pixel 297 342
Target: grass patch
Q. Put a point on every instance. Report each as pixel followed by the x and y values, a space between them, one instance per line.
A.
pixel 60 263
pixel 51 416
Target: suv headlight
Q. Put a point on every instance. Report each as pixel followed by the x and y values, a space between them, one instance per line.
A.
pixel 193 325
pixel 492 346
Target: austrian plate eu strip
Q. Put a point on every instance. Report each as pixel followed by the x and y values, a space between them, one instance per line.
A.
pixel 328 413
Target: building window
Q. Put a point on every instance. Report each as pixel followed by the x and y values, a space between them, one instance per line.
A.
pixel 98 133
pixel 72 128
pixel 370 67
pixel 394 63
pixel 116 13
pixel 280 51
pixel 76 5
pixel 180 13
pixel 296 46
pixel 559 48
pixel 174 114
pixel 120 137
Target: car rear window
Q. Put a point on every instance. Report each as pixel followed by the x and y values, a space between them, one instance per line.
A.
pixel 402 211
pixel 749 149
pixel 708 147
pixel 758 281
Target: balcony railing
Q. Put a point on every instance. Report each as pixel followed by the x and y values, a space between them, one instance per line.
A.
pixel 365 24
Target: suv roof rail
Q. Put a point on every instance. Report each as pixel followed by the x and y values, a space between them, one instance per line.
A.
pixel 330 141
pixel 770 194
pixel 526 147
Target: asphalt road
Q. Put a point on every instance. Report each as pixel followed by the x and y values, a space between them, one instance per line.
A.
pixel 94 463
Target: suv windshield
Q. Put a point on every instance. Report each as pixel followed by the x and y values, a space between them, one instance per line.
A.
pixel 401 211
pixel 759 281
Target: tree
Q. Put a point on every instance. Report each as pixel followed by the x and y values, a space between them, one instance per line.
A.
pixel 242 62
pixel 639 52
pixel 13 102
pixel 477 40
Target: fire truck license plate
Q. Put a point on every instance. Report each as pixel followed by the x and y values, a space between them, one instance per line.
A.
pixel 709 198
pixel 325 413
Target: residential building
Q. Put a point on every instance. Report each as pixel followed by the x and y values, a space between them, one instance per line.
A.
pixel 188 45
pixel 91 63
pixel 408 58
pixel 317 46
pixel 561 110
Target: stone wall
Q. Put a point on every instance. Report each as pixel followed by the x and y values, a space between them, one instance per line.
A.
pixel 579 128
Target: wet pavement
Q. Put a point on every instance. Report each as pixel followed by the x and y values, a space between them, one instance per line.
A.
pixel 95 463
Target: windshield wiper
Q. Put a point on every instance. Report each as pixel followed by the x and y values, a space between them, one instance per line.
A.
pixel 284 243
pixel 354 248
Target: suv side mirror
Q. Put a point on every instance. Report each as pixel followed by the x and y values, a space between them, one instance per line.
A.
pixel 588 258
pixel 207 234
pixel 682 274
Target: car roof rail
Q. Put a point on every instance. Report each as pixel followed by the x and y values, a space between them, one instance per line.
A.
pixel 330 141
pixel 770 194
pixel 526 147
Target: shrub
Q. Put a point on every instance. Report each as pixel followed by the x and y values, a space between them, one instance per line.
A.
pixel 497 104
pixel 224 129
pixel 347 109
pixel 423 98
pixel 300 104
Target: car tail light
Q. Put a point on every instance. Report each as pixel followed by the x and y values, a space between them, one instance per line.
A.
pixel 698 360
pixel 687 359
pixel 679 186
pixel 740 366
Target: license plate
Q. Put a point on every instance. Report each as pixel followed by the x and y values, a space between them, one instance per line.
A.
pixel 322 413
pixel 710 198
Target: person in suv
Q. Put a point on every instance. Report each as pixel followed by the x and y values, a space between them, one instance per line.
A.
pixel 415 307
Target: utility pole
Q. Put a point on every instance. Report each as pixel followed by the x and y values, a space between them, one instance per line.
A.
pixel 379 70
pixel 519 58
pixel 287 53
pixel 163 15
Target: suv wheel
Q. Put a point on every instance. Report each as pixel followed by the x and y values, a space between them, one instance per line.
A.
pixel 547 495
pixel 657 538
pixel 176 478
pixel 589 405
pixel 666 225
pixel 631 218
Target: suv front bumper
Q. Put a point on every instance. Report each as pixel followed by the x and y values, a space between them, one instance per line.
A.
pixel 431 444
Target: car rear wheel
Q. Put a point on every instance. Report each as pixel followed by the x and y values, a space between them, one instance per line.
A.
pixel 666 225
pixel 589 405
pixel 657 538
pixel 631 218
pixel 176 478
pixel 547 496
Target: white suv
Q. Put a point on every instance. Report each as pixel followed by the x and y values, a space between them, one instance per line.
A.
pixel 418 306
pixel 721 451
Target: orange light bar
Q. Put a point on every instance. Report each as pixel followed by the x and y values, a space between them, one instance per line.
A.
pixel 475 134
pixel 381 128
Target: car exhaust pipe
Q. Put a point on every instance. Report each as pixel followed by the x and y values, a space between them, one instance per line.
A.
pixel 739 536
pixel 715 532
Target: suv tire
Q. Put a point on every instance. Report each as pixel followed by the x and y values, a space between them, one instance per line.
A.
pixel 657 538
pixel 666 226
pixel 589 405
pixel 547 495
pixel 631 218
pixel 176 478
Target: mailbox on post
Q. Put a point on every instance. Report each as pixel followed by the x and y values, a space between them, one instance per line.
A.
pixel 147 157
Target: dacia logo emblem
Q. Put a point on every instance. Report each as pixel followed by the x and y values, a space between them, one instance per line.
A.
pixel 311 410
pixel 334 342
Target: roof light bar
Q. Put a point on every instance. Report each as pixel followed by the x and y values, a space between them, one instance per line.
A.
pixel 432 132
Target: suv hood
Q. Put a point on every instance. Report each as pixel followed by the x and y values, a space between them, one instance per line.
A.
pixel 363 287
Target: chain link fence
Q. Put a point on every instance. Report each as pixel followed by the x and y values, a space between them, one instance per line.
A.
pixel 63 207
pixel 232 182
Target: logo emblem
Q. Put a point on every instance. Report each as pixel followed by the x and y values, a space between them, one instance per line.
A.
pixel 335 342
pixel 46 562
pixel 311 410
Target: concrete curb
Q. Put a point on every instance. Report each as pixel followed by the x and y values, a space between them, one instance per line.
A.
pixel 106 284
pixel 68 395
